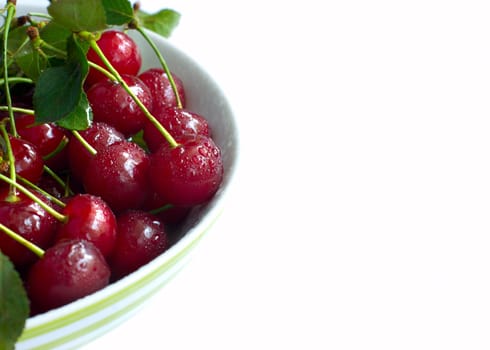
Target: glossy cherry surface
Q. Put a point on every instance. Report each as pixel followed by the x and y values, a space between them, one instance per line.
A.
pixel 189 174
pixel 111 104
pixel 91 219
pixel 177 121
pixel 69 270
pixel 163 95
pixel 120 50
pixel 119 174
pixel 141 237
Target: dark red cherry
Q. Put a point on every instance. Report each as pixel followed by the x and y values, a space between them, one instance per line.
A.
pixel 111 104
pixel 28 160
pixel 177 121
pixel 49 138
pixel 189 174
pixel 167 213
pixel 163 95
pixel 119 174
pixel 68 271
pixel 141 237
pixel 121 51
pixel 91 219
pixel 29 220
pixel 99 136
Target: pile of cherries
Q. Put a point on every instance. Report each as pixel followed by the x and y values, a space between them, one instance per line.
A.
pixel 122 182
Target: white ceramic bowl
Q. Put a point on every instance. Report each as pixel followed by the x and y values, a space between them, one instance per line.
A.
pixel 88 318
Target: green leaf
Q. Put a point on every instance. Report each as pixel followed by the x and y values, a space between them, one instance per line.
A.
pixel 80 118
pixel 162 22
pixel 55 35
pixel 118 12
pixel 77 15
pixel 22 52
pixel 14 304
pixel 59 90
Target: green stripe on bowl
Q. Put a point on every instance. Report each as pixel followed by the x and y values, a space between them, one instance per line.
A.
pixel 96 325
pixel 116 297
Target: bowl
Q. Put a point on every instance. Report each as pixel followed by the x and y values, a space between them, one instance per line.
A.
pixel 84 320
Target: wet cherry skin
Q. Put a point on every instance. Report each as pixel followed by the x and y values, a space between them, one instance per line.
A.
pixel 163 95
pixel 141 237
pixel 28 160
pixel 69 270
pixel 91 219
pixel 189 174
pixel 120 50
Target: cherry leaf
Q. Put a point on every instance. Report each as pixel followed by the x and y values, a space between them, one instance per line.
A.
pixel 162 22
pixel 80 118
pixel 59 90
pixel 77 15
pixel 118 12
pixel 14 304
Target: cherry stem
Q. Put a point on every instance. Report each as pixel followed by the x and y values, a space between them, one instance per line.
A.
pixel 11 160
pixel 60 217
pixel 17 80
pixel 19 239
pixel 17 109
pixel 161 209
pixel 8 20
pixel 58 179
pixel 43 192
pixel 163 64
pixel 84 142
pixel 93 44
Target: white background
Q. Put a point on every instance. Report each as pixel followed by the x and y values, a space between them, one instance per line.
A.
pixel 360 219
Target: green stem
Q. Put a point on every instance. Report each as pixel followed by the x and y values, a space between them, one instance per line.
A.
pixel 41 15
pixel 93 44
pixel 17 80
pixel 43 192
pixel 30 195
pixel 8 21
pixel 84 142
pixel 11 160
pixel 102 70
pixel 163 64
pixel 161 209
pixel 19 239
pixel 17 109
pixel 59 180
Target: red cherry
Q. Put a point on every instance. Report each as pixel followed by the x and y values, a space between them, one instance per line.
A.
pixel 189 174
pixel 163 95
pixel 120 50
pixel 28 161
pixel 119 174
pixel 111 104
pixel 91 219
pixel 99 136
pixel 141 237
pixel 68 271
pixel 177 121
pixel 47 137
pixel 29 220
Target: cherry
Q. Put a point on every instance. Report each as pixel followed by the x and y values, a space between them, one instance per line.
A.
pixel 189 174
pixel 28 161
pixel 49 138
pixel 69 270
pixel 177 121
pixel 29 220
pixel 118 174
pixel 163 95
pixel 111 104
pixel 120 50
pixel 141 237
pixel 99 136
pixel 91 219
